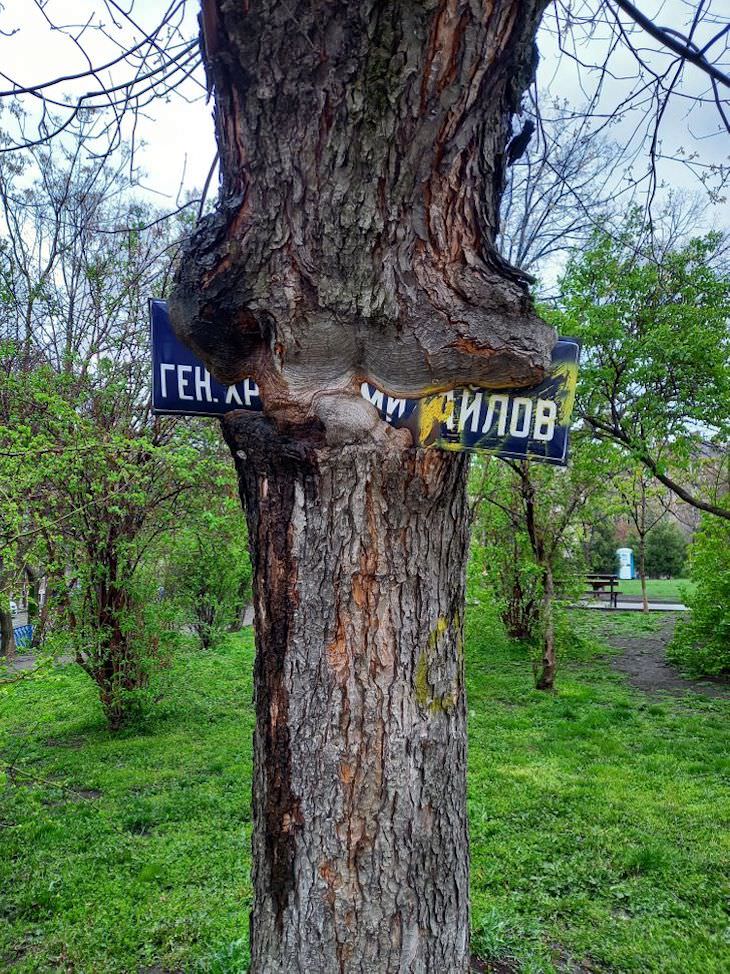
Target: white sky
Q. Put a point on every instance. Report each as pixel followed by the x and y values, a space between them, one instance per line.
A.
pixel 178 136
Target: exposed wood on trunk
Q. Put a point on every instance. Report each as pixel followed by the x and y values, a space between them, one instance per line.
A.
pixel 360 832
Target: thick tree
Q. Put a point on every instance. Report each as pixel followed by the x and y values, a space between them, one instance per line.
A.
pixel 362 156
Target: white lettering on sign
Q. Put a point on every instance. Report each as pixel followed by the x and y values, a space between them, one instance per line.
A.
pixel 394 407
pixel 375 396
pixel 202 385
pixel 164 368
pixel 250 390
pixel 195 384
pixel 520 426
pixel 546 412
pixel 496 415
pixel 182 382
pixel 470 411
pixel 232 395
pixel 522 417
pixel 500 405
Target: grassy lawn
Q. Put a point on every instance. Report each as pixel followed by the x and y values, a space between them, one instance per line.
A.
pixel 658 588
pixel 596 815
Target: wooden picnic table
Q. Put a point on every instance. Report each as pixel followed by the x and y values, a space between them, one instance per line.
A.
pixel 600 582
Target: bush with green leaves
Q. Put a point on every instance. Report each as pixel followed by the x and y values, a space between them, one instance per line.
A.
pixel 601 546
pixel 502 566
pixel 702 642
pixel 91 479
pixel 527 526
pixel 208 571
pixel 666 551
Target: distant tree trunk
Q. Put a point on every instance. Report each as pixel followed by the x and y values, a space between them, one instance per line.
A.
pixel 7 630
pixel 548 666
pixel 34 598
pixel 642 572
pixel 7 636
pixel 362 150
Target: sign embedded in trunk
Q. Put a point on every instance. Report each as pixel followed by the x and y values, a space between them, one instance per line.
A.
pixel 521 424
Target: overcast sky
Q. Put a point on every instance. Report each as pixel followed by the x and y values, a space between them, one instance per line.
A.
pixel 179 146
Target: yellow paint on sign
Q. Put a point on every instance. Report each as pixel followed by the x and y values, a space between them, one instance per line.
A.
pixel 432 412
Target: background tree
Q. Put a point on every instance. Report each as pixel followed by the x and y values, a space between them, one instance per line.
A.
pixel 91 477
pixel 559 191
pixel 542 509
pixel 655 370
pixel 666 551
pixel 600 545
pixel 645 503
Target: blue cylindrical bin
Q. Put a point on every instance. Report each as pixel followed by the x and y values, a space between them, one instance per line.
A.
pixel 625 558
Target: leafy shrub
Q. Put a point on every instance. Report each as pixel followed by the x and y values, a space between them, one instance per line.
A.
pixel 666 551
pixel 506 570
pixel 702 642
pixel 124 651
pixel 601 547
pixel 209 571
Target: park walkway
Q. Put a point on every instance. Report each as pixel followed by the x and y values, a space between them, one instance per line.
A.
pixel 631 603
pixel 644 663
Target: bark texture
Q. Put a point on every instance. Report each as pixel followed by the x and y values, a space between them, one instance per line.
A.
pixel 7 636
pixel 545 679
pixel 360 831
pixel 362 151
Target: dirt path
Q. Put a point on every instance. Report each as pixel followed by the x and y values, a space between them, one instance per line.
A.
pixel 643 660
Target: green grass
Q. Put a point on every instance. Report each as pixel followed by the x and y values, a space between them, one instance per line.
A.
pixel 659 588
pixel 123 852
pixel 598 815
pixel 596 820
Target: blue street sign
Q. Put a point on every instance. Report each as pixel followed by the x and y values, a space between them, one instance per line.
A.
pixel 181 384
pixel 522 424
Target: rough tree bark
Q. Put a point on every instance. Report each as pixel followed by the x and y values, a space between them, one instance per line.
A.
pixel 362 155
pixel 7 631
pixel 548 662
pixel 7 636
pixel 360 834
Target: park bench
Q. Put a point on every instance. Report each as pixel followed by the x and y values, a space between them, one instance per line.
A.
pixel 600 583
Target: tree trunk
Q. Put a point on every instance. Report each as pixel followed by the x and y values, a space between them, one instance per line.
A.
pixel 642 572
pixel 7 630
pixel 548 666
pixel 360 831
pixel 362 153
pixel 33 577
pixel 7 636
